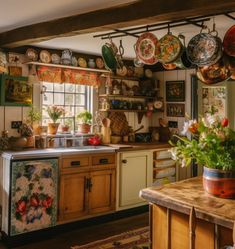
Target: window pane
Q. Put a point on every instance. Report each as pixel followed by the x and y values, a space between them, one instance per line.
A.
pixel 69 99
pixel 47 98
pixel 80 88
pixel 70 88
pixel 69 111
pixel 59 98
pixel 47 87
pixel 80 99
pixel 79 109
pixel 44 112
pixel 58 87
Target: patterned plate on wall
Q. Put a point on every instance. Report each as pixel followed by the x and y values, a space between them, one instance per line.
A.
pixel 148 48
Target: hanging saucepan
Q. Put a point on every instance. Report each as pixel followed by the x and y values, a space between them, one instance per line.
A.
pixel 183 62
pixel 204 49
pixel 229 41
pixel 109 57
pixel 148 48
pixel 171 48
pixel 214 73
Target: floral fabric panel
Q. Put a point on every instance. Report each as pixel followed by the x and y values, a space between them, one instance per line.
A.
pixel 63 75
pixel 49 74
pixel 34 195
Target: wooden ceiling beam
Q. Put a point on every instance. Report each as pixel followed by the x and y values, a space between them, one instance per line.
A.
pixel 136 13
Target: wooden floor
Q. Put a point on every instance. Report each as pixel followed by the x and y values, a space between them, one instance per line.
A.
pixel 91 233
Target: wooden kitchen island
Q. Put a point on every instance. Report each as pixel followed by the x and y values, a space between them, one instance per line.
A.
pixel 184 216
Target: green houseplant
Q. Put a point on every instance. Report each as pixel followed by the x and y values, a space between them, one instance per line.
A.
pixel 54 112
pixel 211 143
pixel 34 117
pixel 85 119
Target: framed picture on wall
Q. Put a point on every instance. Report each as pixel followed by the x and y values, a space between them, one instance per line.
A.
pixel 15 91
pixel 175 110
pixel 175 91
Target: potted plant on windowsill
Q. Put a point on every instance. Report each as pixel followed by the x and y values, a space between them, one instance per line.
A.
pixel 85 118
pixel 212 145
pixel 54 112
pixel 34 116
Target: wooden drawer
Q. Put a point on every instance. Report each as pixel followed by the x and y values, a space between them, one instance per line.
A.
pixel 165 172
pixel 75 162
pixel 164 163
pixel 162 154
pixel 103 159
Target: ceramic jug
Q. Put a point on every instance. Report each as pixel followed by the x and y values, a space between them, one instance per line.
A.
pixel 66 57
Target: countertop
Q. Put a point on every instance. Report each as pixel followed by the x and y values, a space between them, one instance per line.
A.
pixel 182 196
pixel 57 152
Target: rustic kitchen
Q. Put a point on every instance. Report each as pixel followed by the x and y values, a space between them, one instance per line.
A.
pixel 113 115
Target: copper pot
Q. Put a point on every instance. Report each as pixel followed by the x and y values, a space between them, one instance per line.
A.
pixel 215 73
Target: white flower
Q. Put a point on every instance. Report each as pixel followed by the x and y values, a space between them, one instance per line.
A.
pixel 187 125
pixel 211 120
pixel 173 152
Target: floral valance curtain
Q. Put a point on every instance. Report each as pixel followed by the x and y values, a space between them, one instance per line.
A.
pixel 66 75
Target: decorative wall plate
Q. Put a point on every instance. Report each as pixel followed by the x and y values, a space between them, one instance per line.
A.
pixel 121 71
pixel 99 63
pixel 158 104
pixel 148 48
pixel 45 56
pixel 171 48
pixel 82 62
pixel 32 54
pixel 55 58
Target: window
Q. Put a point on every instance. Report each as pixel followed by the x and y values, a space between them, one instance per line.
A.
pixel 74 98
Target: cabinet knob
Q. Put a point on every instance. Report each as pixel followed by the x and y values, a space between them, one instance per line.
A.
pixel 124 161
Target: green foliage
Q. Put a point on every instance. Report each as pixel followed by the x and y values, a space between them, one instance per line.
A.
pixel 85 117
pixel 33 115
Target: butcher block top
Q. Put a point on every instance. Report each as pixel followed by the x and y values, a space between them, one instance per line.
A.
pixel 182 196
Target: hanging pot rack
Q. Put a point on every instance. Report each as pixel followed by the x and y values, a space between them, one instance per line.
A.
pixel 196 21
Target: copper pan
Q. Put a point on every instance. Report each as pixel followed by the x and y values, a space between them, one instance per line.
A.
pixel 215 73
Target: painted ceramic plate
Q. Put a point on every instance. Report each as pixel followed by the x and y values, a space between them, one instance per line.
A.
pixel 122 71
pixel 148 48
pixel 45 56
pixel 158 104
pixel 229 41
pixel 99 63
pixel 171 48
pixel 32 54
pixel 82 62
pixel 55 58
pixel 202 49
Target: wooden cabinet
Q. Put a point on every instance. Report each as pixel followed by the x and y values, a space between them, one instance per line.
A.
pixel 87 187
pixel 135 173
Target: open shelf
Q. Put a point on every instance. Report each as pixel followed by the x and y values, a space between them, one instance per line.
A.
pixel 125 96
pixel 70 67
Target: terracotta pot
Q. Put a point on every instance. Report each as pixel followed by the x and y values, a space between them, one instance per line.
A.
pixel 84 128
pixel 219 183
pixel 53 128
pixel 30 142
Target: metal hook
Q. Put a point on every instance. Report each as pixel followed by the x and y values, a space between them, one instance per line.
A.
pixel 147 28
pixel 168 28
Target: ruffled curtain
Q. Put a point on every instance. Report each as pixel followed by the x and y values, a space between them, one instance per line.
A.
pixel 66 75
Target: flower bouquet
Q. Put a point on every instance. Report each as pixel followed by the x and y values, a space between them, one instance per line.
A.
pixel 54 112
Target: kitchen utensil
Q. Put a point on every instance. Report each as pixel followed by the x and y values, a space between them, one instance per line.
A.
pixel 229 41
pixel 171 48
pixel 204 49
pixel 140 128
pixel 82 62
pixel 116 139
pixel 109 57
pixel 99 63
pixel 106 122
pixel 148 48
pixel 66 57
pixel 145 137
pixel 106 135
pixel 215 73
pixel 55 58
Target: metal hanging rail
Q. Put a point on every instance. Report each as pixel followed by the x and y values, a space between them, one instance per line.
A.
pixel 196 21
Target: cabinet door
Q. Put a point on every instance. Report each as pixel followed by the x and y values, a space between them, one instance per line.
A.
pixel 73 196
pixel 102 191
pixel 135 174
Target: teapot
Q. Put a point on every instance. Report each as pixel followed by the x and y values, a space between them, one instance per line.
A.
pixel 66 57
